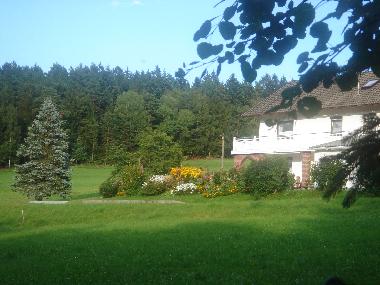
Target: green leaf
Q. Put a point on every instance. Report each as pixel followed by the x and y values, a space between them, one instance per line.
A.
pixel 260 44
pixel 221 59
pixel 304 56
pixel 227 30
pixel 229 12
pixel 304 15
pixel 205 50
pixel 285 45
pixel 303 67
pixel 203 31
pixel 309 106
pixel 347 80
pixel 248 72
pixel 243 58
pixel 239 48
pixel 320 30
pixel 319 47
pixel 229 56
pixel 266 57
pixel 230 45
pixel 217 49
pixel 288 94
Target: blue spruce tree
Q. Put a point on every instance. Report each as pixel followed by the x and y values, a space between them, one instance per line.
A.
pixel 45 168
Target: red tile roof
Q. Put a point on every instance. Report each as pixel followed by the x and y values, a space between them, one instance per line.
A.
pixel 331 98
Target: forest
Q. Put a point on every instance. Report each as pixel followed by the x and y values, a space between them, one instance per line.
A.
pixel 106 111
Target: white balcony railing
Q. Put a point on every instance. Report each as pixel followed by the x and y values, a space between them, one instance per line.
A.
pixel 283 144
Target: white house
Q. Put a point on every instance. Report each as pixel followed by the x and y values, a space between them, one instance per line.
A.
pixel 304 140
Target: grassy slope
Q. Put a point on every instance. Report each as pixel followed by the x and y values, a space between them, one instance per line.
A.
pixel 295 238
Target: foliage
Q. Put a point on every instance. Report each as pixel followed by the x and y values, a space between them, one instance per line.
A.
pixel 158 152
pixel 104 109
pixel 128 119
pixel 221 183
pixel 156 184
pixel 45 169
pixel 129 179
pixel 266 176
pixel 323 172
pixel 361 162
pixel 108 188
pixel 259 33
pixel 269 84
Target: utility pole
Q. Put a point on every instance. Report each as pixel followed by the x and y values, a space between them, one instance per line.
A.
pixel 222 158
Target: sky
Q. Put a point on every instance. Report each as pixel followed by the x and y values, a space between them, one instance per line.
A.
pixel 133 34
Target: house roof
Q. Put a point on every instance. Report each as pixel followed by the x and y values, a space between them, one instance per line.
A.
pixel 331 98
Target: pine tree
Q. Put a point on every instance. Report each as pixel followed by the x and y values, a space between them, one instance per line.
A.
pixel 45 168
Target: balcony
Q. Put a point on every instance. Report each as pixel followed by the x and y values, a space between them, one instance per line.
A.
pixel 291 143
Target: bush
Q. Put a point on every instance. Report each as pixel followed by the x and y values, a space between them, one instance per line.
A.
pixel 158 152
pixel 324 172
pixel 222 183
pixel 108 189
pixel 266 176
pixel 129 179
pixel 157 184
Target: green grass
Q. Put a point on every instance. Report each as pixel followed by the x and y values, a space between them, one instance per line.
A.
pixel 292 238
pixel 213 164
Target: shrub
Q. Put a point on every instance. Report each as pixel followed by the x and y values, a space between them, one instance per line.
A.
pixel 266 176
pixel 108 189
pixel 158 152
pixel 222 183
pixel 157 184
pixel 129 179
pixel 324 172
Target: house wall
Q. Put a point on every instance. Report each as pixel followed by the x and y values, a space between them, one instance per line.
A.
pixel 307 129
pixel 297 145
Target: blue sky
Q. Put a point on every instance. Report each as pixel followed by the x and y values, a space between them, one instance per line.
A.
pixel 138 34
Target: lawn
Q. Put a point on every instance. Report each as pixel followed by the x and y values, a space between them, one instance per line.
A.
pixel 292 238
pixel 212 164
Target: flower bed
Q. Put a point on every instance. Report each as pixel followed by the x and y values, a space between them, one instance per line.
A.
pixel 185 188
pixel 156 184
pixel 186 173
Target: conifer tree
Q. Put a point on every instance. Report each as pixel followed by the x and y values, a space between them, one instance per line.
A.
pixel 45 168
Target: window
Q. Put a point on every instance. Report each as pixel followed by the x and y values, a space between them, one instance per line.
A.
pixel 370 84
pixel 336 125
pixel 285 128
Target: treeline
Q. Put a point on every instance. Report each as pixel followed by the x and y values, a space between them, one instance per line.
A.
pixel 106 110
